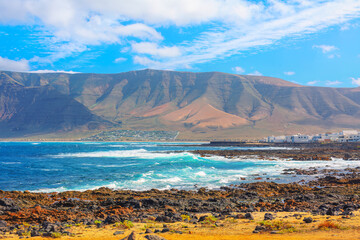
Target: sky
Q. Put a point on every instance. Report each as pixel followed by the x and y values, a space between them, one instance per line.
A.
pixel 310 42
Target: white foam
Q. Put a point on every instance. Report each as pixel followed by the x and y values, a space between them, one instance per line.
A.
pixel 169 180
pixel 50 170
pixel 139 153
pixel 110 166
pixel 200 174
pixel 49 190
pixel 10 163
pixel 139 181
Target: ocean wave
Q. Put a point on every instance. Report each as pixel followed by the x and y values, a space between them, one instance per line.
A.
pixel 139 153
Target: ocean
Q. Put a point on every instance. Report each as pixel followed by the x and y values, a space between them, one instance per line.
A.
pixel 63 166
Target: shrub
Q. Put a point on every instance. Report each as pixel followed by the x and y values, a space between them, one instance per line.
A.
pixel 210 220
pixel 125 224
pixel 279 225
pixel 98 222
pixel 26 234
pixel 185 217
pixel 326 225
pixel 56 235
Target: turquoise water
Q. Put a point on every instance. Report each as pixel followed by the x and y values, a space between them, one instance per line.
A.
pixel 46 167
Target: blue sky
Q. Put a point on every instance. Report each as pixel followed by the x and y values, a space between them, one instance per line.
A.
pixel 311 42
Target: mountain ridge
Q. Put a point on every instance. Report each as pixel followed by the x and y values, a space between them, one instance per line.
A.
pixel 204 105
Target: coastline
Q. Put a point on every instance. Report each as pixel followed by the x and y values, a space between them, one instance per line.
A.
pixel 255 208
pixel 327 206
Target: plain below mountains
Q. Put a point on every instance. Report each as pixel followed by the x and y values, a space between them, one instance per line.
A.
pixel 209 105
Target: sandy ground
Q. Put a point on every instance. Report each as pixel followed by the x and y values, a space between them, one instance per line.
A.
pixel 229 229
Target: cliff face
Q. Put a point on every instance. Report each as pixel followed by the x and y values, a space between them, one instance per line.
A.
pixel 203 104
pixel 39 110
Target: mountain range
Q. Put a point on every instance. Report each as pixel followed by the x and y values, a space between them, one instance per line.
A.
pixel 209 105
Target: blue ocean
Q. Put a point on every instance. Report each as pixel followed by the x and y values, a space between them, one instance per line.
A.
pixel 63 166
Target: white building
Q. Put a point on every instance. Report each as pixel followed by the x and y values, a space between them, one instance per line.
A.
pixel 343 136
pixel 277 139
pixel 300 138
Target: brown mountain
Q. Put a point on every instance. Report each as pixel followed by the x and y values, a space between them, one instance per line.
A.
pixel 199 105
pixel 39 110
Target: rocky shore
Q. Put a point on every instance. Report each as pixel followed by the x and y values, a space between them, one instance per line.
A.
pixel 298 152
pixel 28 214
pixel 254 208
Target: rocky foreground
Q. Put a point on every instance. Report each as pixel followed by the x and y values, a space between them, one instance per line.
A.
pixel 27 214
pixel 252 210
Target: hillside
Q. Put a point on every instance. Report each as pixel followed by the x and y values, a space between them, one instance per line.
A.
pixel 199 105
pixel 27 111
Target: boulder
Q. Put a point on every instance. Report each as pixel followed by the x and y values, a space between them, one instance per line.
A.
pixel 154 237
pixel 308 220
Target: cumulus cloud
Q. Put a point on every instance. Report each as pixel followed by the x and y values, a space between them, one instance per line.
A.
pixel 238 69
pixel 12 65
pixel 289 73
pixel 355 81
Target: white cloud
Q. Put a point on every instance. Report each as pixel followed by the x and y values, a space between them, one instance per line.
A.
pixel 312 82
pixel 145 61
pixel 154 50
pixel 232 26
pixel 11 65
pixel 326 48
pixel 333 83
pixel 331 56
pixel 265 28
pixel 238 69
pixel 256 73
pixel 289 73
pixel 120 59
pixel 53 71
pixel 355 81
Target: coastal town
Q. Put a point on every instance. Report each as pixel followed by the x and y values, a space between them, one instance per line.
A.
pixel 341 137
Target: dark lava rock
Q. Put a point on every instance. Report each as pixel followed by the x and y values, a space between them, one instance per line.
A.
pixel 308 220
pixel 332 212
pixel 3 224
pixel 50 227
pixel 259 228
pixel 118 233
pixel 35 233
pixel 154 237
pixel 112 219
pixel 165 230
pixel 268 216
pixel 7 204
pixel 163 219
pixel 148 231
pixel 249 216
pixel 132 236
